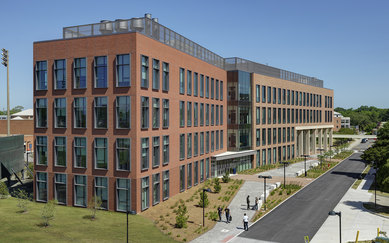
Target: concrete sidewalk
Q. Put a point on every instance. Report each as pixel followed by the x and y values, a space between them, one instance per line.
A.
pixel 354 217
pixel 292 169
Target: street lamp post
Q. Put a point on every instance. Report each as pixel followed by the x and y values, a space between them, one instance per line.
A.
pixel 204 190
pixel 5 62
pixel 305 163
pixel 264 188
pixel 321 156
pixel 284 163
pixel 332 213
pixel 128 210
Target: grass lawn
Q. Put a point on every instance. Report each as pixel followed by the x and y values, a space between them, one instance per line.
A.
pixel 320 169
pixel 342 155
pixel 268 167
pixel 384 210
pixel 70 225
pixel 364 173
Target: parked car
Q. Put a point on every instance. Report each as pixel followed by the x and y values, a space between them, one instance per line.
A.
pixel 364 140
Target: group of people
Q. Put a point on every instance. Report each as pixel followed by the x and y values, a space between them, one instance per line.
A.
pixel 255 207
pixel 227 212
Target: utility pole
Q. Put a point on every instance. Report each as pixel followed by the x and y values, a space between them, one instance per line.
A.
pixel 5 62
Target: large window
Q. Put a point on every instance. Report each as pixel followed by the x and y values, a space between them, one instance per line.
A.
pixel 189 82
pixel 195 83
pixel 60 74
pixel 268 115
pixel 189 145
pixel 217 89
pixel 221 115
pixel 123 153
pixel 212 88
pixel 212 115
pixel 145 112
pixel 156 74
pixel 182 81
pixel 156 188
pixel 145 153
pixel 60 151
pixel 101 190
pixel 41 186
pixel 195 144
pixel 212 141
pixel 41 153
pixel 41 113
pixel 189 114
pixel 221 90
pixel 221 139
pixel 156 113
pixel 80 190
pixel 165 114
pixel 123 112
pixel 60 188
pixel 196 173
pixel 101 112
pixel 189 177
pixel 41 75
pixel 123 70
pixel 263 94
pixel 144 72
pixel 60 113
pixel 165 186
pixel 182 178
pixel 123 194
pixel 201 143
pixel 165 76
pixel 80 73
pixel 207 115
pixel 182 113
pixel 207 168
pixel 201 85
pixel 101 72
pixel 165 150
pixel 258 115
pixel 79 106
pixel 207 142
pixel 101 153
pixel 195 114
pixel 268 94
pixel 202 170
pixel 80 152
pixel 145 193
pixel 257 93
pixel 182 146
pixel 202 114
pixel 156 151
pixel 207 87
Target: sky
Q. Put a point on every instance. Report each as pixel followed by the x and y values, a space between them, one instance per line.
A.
pixel 343 42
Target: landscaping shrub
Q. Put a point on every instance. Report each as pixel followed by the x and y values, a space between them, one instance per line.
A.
pixel 182 218
pixel 217 187
pixel 94 204
pixel 213 215
pixel 48 211
pixel 226 178
pixel 203 199
pixel 3 190
pixel 23 199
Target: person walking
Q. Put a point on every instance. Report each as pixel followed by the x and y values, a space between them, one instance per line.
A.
pixel 227 211
pixel 245 222
pixel 248 202
pixel 219 211
pixel 256 203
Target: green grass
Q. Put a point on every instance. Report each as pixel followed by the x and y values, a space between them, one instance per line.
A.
pixel 318 170
pixel 364 173
pixel 343 154
pixel 71 225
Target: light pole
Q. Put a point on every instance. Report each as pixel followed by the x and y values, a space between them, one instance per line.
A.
pixel 204 190
pixel 305 163
pixel 5 62
pixel 127 211
pixel 332 213
pixel 264 188
pixel 284 163
pixel 321 156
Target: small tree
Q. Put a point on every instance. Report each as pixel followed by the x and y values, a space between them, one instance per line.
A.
pixel 48 211
pixel 182 218
pixel 226 178
pixel 217 187
pixel 23 199
pixel 94 204
pixel 3 190
pixel 203 199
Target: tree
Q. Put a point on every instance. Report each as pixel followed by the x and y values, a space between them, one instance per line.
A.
pixel 217 187
pixel 93 205
pixel 226 177
pixel 182 218
pixel 3 190
pixel 203 199
pixel 16 109
pixel 48 211
pixel 23 199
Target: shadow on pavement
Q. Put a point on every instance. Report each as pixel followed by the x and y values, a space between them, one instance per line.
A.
pixel 356 205
pixel 349 174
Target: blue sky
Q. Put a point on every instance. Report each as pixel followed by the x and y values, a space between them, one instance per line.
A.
pixel 345 43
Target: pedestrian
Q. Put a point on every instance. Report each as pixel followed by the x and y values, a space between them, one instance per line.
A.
pixel 256 203
pixel 219 211
pixel 227 211
pixel 248 202
pixel 245 222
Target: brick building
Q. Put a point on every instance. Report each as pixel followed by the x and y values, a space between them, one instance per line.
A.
pixel 129 109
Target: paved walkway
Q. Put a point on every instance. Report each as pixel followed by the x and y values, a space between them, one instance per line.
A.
pixel 354 217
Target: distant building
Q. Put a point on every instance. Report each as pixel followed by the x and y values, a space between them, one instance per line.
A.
pixel 23 115
pixel 344 121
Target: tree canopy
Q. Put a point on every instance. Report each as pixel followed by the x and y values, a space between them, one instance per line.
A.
pixel 14 110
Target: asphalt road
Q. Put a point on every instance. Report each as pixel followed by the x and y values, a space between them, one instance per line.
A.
pixel 304 213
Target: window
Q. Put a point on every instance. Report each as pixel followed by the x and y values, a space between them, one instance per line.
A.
pixel 217 89
pixel 196 173
pixel 257 93
pixel 189 144
pixel 268 94
pixel 60 113
pixel 165 76
pixel 156 188
pixel 202 170
pixel 274 135
pixel 283 96
pixel 258 115
pixel 41 75
pixel 207 168
pixel 189 82
pixel 60 151
pixel 201 143
pixel 258 137
pixel 263 136
pixel 195 114
pixel 274 115
pixel 263 156
pixel 182 178
pixel 156 113
pixel 145 112
pixel 221 115
pixel 101 112
pixel 60 188
pixel 269 156
pixel 207 142
pixel 156 151
pixel 79 152
pixel 101 153
pixel 123 70
pixel 182 113
pixel 101 72
pixel 123 154
pixel 60 74
pixel 207 87
pixel 189 114
pixel 288 97
pixel 263 115
pixel 274 155
pixel 217 115
pixel 195 84
pixel 165 185
pixel 212 115
pixel 189 178
pixel 145 193
pixel 279 116
pixel 292 98
pixel 274 95
pixel 41 113
pixel 123 112
pixel 79 107
pixel 263 94
pixel 101 190
pixel 80 194
pixel 207 115
pixel 145 153
pixel 268 115
pixel 212 141
pixel 221 90
pixel 80 73
pixel 258 158
pixel 165 150
pixel 283 115
pixel 202 114
pixel 201 85
pixel 123 195
pixel 269 136
pixel 279 96
pixel 284 135
pixel 41 147
pixel 145 72
pixel 156 74
pixel 182 146
pixel 165 114
pixel 41 186
pixel 288 134
pixel 221 139
pixel 212 88
pixel 182 81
